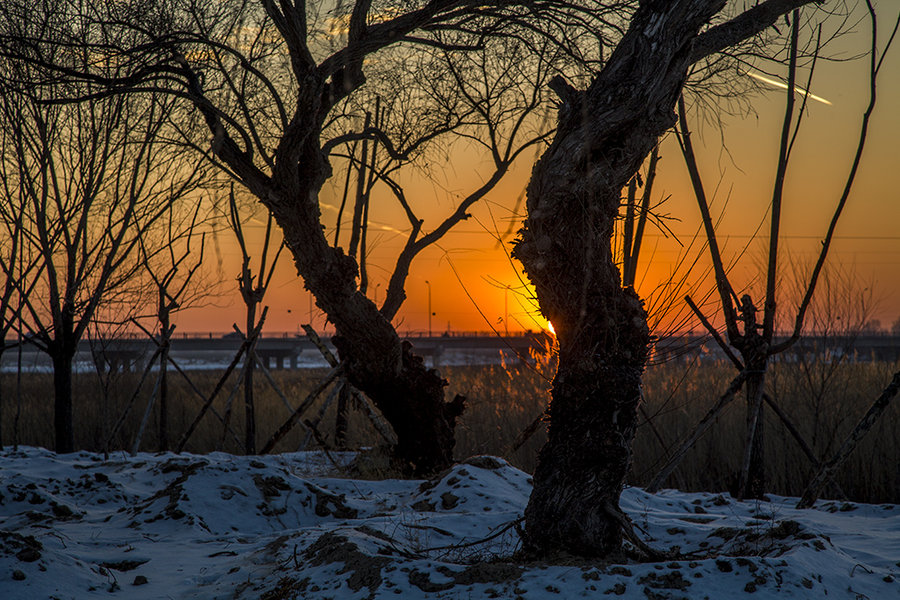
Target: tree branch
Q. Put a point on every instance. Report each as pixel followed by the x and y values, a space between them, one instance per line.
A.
pixel 746 25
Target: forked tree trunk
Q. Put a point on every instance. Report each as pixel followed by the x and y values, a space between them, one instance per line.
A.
pixel 602 138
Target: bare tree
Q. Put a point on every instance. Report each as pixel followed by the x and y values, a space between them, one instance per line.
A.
pixel 754 338
pixel 273 84
pixel 604 133
pixel 90 182
pixel 178 285
pixel 14 265
pixel 253 291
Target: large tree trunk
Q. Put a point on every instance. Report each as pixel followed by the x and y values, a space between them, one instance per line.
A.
pixel 593 413
pixel 410 395
pixel 602 138
pixel 62 404
pixel 603 338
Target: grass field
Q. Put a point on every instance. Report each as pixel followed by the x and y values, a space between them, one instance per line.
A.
pixel 823 400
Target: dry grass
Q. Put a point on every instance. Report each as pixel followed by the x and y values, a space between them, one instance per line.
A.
pixel 824 401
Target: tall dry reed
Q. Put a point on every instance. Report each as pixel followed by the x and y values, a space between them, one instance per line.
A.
pixel 823 399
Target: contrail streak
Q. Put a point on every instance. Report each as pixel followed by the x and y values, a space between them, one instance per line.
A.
pixel 782 85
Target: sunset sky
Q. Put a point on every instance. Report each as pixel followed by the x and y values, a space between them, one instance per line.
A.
pixel 470 262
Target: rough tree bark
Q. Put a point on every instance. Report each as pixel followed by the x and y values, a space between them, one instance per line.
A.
pixel 604 133
pixel 410 395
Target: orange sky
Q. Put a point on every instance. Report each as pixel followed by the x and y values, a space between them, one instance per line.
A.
pixel 471 261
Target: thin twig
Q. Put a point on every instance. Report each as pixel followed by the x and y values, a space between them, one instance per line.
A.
pixel 495 534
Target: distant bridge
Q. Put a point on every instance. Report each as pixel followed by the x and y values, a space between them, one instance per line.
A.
pixel 282 351
pixel 293 351
pixel 858 347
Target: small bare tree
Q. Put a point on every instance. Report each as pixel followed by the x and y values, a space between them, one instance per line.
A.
pixel 176 277
pixel 751 336
pixel 90 180
pixel 253 290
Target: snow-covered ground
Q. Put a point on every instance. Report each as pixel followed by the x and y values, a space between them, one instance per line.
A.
pixel 280 527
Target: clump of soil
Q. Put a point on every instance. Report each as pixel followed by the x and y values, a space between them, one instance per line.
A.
pixel 24 547
pixel 365 570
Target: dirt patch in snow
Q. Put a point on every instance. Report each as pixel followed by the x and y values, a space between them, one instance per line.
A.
pixel 24 547
pixel 328 504
pixel 493 572
pixel 365 570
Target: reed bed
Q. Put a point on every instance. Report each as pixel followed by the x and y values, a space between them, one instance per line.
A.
pixel 823 399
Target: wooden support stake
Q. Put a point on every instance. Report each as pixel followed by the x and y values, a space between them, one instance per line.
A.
pixel 315 423
pixel 524 435
pixel 383 428
pixel 134 396
pixel 341 420
pixel 202 398
pixel 315 339
pixel 268 376
pixel 699 430
pixel 208 403
pixel 146 419
pixel 295 416
pixel 229 403
pixel 795 433
pixel 861 429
